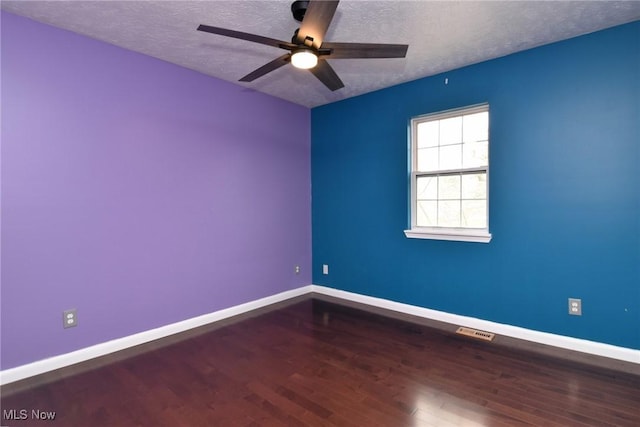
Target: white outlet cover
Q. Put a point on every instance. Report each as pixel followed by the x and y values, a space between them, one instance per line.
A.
pixel 575 306
pixel 69 318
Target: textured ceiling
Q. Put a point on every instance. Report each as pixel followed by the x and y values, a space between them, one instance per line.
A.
pixel 441 35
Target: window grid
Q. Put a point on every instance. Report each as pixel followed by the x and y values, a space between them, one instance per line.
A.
pixel 460 196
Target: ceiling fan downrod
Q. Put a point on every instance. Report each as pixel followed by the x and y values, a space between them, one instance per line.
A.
pixel 298 9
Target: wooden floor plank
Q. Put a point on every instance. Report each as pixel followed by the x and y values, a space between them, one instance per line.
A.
pixel 315 363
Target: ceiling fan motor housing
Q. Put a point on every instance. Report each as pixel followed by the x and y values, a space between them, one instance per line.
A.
pixel 299 8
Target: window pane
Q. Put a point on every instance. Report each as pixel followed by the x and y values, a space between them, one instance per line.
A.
pixel 449 187
pixel 428 134
pixel 451 131
pixel 449 214
pixel 474 213
pixel 427 188
pixel 476 127
pixel 474 186
pixel 475 154
pixel 451 157
pixel 427 159
pixel 427 214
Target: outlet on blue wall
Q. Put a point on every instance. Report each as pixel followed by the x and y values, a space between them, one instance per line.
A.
pixel 564 192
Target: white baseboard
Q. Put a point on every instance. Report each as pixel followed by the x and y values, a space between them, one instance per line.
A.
pixel 569 343
pixel 31 369
pixel 42 366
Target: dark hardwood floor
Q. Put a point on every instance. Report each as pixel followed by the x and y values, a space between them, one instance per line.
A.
pixel 316 363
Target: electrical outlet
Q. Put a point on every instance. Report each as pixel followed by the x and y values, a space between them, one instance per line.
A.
pixel 325 268
pixel 69 318
pixel 575 306
pixel 297 269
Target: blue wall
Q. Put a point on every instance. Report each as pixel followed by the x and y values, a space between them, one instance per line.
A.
pixel 564 188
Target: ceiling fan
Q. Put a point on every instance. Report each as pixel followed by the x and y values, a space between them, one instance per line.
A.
pixel 307 49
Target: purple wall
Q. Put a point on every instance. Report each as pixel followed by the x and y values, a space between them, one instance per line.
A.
pixel 138 192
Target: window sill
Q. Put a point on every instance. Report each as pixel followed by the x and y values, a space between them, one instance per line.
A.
pixel 459 235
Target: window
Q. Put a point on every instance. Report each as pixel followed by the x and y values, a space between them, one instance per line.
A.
pixel 450 175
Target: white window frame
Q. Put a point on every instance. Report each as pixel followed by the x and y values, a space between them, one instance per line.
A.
pixel 463 234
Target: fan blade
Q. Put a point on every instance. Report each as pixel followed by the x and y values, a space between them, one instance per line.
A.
pixel 365 50
pixel 246 36
pixel 316 21
pixel 325 73
pixel 267 68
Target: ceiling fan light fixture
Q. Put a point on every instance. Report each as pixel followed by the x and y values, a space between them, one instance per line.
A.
pixel 304 58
